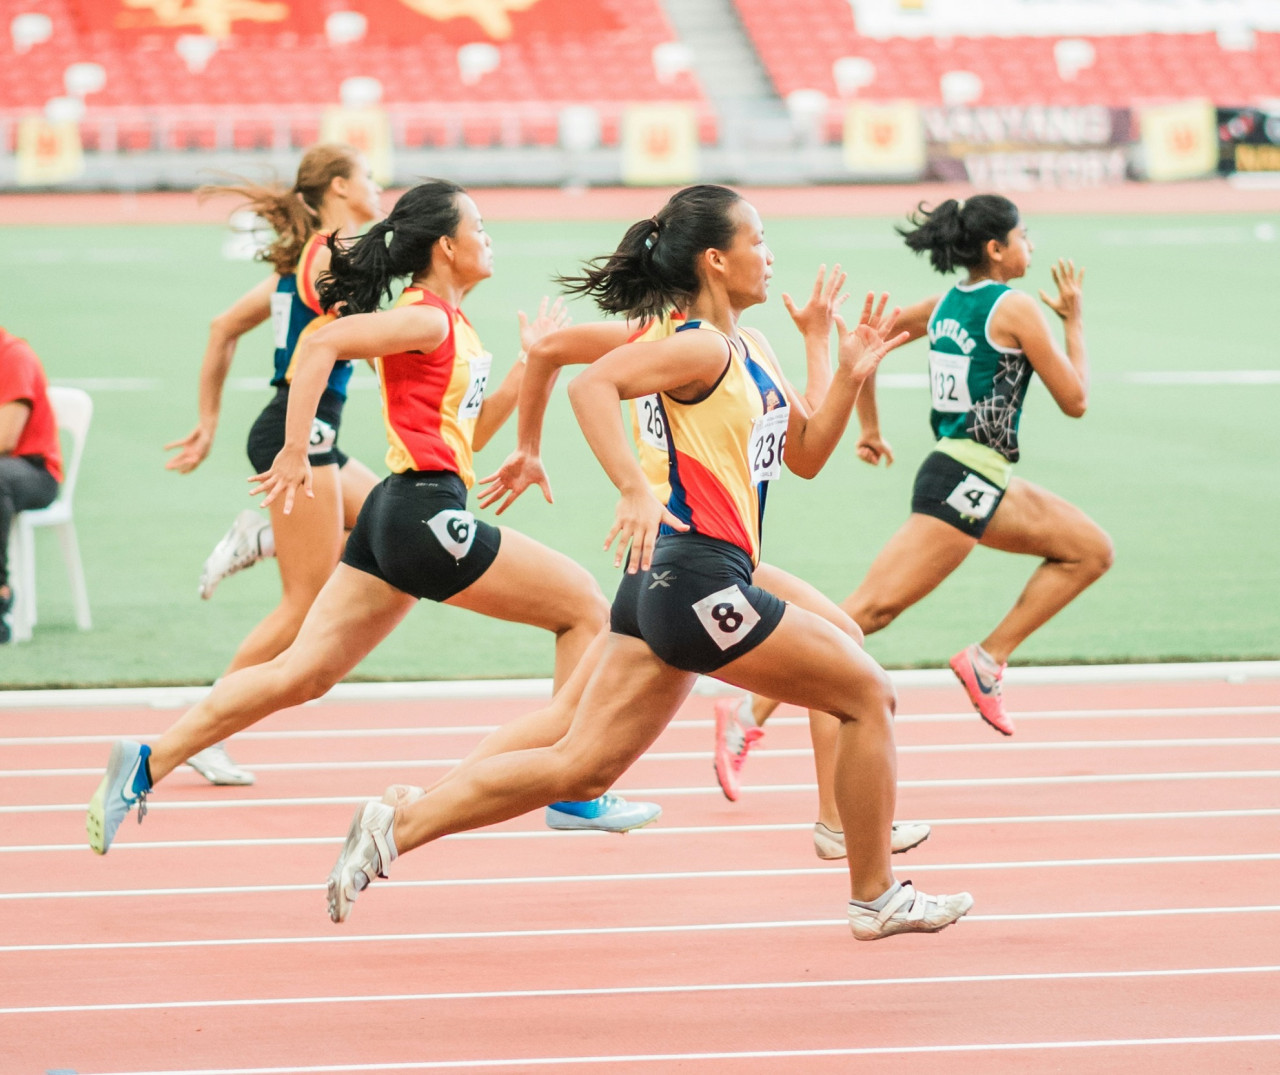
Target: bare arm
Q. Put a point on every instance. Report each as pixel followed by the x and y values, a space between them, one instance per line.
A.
pixel 684 366
pixel 248 312
pixel 572 346
pixel 1019 322
pixel 388 332
pixel 13 420
pixel 872 446
pixel 815 321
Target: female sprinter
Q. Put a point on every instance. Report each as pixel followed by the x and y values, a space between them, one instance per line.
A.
pixel 688 606
pixel 333 194
pixel 582 345
pixel 415 537
pixel 986 340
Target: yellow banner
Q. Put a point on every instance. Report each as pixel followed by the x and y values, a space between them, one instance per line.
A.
pixel 367 129
pixel 48 152
pixel 884 139
pixel 659 145
pixel 1179 141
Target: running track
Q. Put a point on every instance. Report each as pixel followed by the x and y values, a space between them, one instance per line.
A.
pixel 1123 850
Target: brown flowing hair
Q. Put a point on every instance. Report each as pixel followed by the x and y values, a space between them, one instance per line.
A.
pixel 293 212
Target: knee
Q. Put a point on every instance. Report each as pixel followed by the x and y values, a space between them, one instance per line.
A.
pixel 872 698
pixel 585 777
pixel 872 614
pixel 298 681
pixel 590 606
pixel 1099 555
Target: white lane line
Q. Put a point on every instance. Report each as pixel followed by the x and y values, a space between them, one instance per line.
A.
pixel 703 724
pixel 657 830
pixel 656 990
pixel 660 875
pixel 633 793
pixel 615 931
pixel 402 763
pixel 668 1058
pixel 181 697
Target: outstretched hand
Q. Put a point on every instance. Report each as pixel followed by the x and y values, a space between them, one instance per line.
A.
pixel 1070 283
pixel 551 316
pixel 635 526
pixel 192 451
pixel 289 472
pixel 818 314
pixel 862 348
pixel 519 471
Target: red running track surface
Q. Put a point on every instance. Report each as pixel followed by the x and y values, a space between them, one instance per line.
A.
pixel 1123 850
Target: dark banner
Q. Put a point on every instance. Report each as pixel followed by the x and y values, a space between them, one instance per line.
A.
pixel 1028 147
pixel 1248 140
pixel 389 21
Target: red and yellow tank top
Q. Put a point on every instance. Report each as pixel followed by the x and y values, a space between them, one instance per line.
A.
pixel 648 427
pixel 726 447
pixel 430 402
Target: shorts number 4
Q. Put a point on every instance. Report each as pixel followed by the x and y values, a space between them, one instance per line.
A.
pixel 974 497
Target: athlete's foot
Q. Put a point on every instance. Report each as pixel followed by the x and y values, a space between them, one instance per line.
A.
pixel 125 783
pixel 904 910
pixel 733 742
pixel 983 680
pixel 609 813
pixel 215 765
pixel 240 547
pixel 368 851
pixel 829 843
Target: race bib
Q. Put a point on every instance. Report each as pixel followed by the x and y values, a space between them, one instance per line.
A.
pixel 473 398
pixel 974 497
pixel 323 437
pixel 455 530
pixel 727 616
pixel 949 382
pixel 653 428
pixel 281 304
pixel 764 449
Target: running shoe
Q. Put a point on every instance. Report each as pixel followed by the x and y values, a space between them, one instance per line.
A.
pixel 829 844
pixel 908 911
pixel 733 741
pixel 402 794
pixel 239 548
pixel 985 687
pixel 215 765
pixel 609 813
pixel 125 782
pixel 368 851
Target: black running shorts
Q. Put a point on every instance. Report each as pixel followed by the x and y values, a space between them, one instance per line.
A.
pixel 415 533
pixel 266 435
pixel 696 606
pixel 948 490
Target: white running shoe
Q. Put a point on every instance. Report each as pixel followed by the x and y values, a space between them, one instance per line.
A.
pixel 124 783
pixel 215 765
pixel 368 851
pixel 908 911
pixel 609 813
pixel 402 794
pixel 829 844
pixel 240 547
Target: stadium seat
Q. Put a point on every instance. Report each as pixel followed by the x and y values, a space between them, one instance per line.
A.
pixel 74 410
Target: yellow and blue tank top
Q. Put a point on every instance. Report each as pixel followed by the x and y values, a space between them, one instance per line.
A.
pixel 430 402
pixel 977 386
pixel 295 312
pixel 724 448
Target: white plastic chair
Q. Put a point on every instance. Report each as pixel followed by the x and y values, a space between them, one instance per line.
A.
pixel 73 408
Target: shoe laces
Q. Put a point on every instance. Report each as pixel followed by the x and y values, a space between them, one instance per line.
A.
pixel 750 737
pixel 142 806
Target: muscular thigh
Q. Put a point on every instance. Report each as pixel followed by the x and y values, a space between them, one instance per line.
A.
pixel 795 591
pixel 1033 521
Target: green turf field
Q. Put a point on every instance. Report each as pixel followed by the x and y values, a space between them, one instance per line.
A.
pixel 1183 475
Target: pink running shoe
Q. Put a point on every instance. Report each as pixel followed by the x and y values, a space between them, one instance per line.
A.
pixel 732 744
pixel 985 690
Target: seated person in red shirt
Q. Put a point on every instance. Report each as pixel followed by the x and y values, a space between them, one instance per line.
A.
pixel 30 460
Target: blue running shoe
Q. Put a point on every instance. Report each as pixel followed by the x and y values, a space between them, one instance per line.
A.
pixel 126 782
pixel 609 813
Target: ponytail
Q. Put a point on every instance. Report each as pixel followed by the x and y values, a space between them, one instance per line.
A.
pixel 956 233
pixel 361 270
pixel 293 212
pixel 654 268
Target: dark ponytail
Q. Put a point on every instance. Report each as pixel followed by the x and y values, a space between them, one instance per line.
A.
pixel 654 268
pixel 361 270
pixel 956 233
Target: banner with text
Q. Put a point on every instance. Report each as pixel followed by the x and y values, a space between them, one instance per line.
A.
pixel 1248 140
